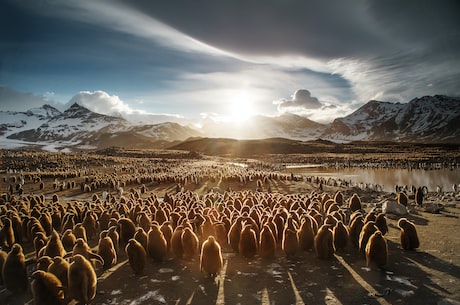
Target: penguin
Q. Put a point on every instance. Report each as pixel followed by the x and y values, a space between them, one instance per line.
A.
pixel 377 250
pixel 43 263
pixel 54 246
pixel 190 243
pixel 3 256
pixel 82 248
pixel 82 280
pixel 127 230
pixel 167 231
pixel 68 240
pixel 234 234
pixel 340 236
pixel 176 242
pixel 107 251
pixel 306 234
pixel 324 245
pixel 211 260
pixel 247 245
pixel 137 256
pixel 60 268
pixel 7 233
pixel 115 237
pixel 40 241
pixel 80 232
pixel 14 272
pixel 157 244
pixel 403 199
pixel 142 237
pixel 355 203
pixel 381 223
pixel 355 229
pixel 408 235
pixel 290 242
pixel 368 229
pixel 46 288
pixel 267 243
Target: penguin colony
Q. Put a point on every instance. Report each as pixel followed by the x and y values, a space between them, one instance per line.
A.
pixel 145 229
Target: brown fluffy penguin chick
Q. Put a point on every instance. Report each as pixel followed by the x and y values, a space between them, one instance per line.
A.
pixel 355 203
pixel 376 250
pixel 3 256
pixel 157 245
pixel 127 230
pixel 107 251
pixel 68 240
pixel 290 242
pixel 306 234
pixel 221 233
pixel 247 245
pixel 54 246
pixel 14 270
pixel 137 257
pixel 81 247
pixel 408 236
pixel 6 233
pixel 190 243
pixel 115 237
pixel 234 234
pixel 381 223
pixel 142 237
pixel 43 263
pixel 167 231
pixel 60 268
pixel 46 288
pixel 324 245
pixel 356 226
pixel 267 243
pixel 366 232
pixel 211 260
pixel 82 280
pixel 80 232
pixel 340 235
pixel 40 241
pixel 176 242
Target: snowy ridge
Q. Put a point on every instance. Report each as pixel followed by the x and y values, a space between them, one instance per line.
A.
pixel 427 119
pixel 80 128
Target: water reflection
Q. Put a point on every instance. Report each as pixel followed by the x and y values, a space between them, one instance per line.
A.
pixel 388 178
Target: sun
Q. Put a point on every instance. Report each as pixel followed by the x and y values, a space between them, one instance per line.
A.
pixel 240 107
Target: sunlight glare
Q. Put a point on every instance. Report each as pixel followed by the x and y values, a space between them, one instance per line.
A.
pixel 240 107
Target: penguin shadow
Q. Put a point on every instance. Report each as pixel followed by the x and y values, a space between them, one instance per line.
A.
pixel 255 281
pixel 328 281
pixel 418 220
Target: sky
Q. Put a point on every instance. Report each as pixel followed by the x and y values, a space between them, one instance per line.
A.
pixel 226 60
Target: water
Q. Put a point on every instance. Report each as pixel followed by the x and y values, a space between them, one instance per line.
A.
pixel 387 178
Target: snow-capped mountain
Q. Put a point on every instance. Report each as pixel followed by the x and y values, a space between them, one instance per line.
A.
pixel 81 128
pixel 428 119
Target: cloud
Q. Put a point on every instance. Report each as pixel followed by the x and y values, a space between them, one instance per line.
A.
pixel 301 99
pixel 14 100
pixel 101 102
pixel 304 104
pixel 104 103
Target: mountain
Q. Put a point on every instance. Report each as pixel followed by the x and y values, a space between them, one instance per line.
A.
pixel 79 127
pixel 287 125
pixel 430 119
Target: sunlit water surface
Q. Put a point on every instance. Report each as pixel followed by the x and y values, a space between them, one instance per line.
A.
pixel 387 178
